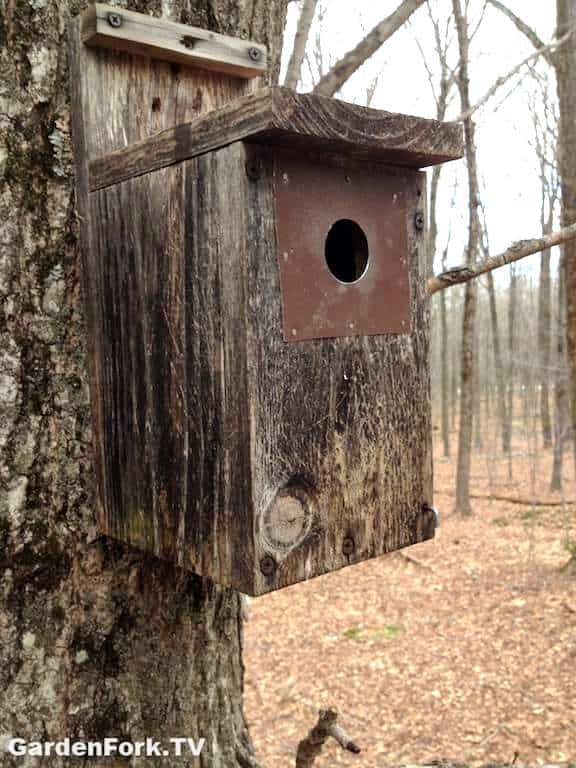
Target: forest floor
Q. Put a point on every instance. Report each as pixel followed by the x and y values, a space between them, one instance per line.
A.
pixel 466 652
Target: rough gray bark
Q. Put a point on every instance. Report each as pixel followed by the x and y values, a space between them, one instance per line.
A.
pixel 89 630
pixel 333 80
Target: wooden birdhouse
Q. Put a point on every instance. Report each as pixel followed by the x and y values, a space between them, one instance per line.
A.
pixel 254 277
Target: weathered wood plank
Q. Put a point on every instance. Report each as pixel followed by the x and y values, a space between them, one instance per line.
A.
pixel 107 26
pixel 123 99
pixel 277 115
pixel 340 426
pixel 254 461
pixel 142 433
pixel 119 99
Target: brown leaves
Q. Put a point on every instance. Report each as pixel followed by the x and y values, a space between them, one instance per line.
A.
pixel 472 659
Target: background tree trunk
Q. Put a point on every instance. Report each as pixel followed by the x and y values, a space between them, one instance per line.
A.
pixel 565 60
pixel 561 407
pixel 469 321
pixel 96 639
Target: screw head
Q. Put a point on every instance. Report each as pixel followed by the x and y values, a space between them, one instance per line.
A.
pixel 114 19
pixel 254 53
pixel 348 546
pixel 268 565
pixel 419 221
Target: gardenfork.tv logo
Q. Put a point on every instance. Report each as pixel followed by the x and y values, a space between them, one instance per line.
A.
pixel 112 747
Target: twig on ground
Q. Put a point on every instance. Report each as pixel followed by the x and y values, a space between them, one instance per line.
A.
pixel 513 500
pixel 326 727
pixel 412 559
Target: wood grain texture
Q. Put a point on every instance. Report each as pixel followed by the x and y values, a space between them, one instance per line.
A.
pixel 144 35
pixel 118 99
pixel 254 461
pixel 277 115
pixel 219 446
pixel 341 424
pixel 124 99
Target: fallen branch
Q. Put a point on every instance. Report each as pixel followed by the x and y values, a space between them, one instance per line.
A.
pixel 415 561
pixel 515 252
pixel 326 727
pixel 514 500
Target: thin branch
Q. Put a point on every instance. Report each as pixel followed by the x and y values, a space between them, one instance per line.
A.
pixel 504 78
pixel 326 727
pixel 333 80
pixel 524 28
pixel 300 41
pixel 515 252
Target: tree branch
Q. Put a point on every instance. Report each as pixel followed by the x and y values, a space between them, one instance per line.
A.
pixel 300 41
pixel 326 727
pixel 515 252
pixel 333 80
pixel 526 30
pixel 504 78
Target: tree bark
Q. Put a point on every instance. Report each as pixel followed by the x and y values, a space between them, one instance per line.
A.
pixel 445 370
pixel 561 408
pixel 511 373
pixel 97 640
pixel 469 321
pixel 498 367
pixel 565 60
pixel 544 329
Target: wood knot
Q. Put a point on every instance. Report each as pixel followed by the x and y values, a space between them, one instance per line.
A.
pixel 287 520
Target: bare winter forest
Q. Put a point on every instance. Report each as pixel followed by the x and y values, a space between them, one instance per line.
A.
pixel 469 640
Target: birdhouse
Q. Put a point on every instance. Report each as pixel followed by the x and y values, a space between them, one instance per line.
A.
pixel 254 266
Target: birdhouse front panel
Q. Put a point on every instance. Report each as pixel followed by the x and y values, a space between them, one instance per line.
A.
pixel 254 279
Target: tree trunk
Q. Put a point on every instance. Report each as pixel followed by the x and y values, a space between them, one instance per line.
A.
pixel 97 639
pixel 294 68
pixel 565 60
pixel 512 301
pixel 469 321
pixel 544 298
pixel 498 367
pixel 561 408
pixel 444 369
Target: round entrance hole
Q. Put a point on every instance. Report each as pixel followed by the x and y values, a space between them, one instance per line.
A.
pixel 346 251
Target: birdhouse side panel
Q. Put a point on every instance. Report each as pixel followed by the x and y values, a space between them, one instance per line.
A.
pixel 140 414
pixel 171 422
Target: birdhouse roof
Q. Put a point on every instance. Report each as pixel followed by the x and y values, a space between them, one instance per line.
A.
pixel 279 116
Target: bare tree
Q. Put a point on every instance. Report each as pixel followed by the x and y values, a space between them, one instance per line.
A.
pixel 300 40
pixel 468 326
pixel 343 70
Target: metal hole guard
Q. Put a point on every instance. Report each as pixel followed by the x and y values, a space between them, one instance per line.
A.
pixel 314 303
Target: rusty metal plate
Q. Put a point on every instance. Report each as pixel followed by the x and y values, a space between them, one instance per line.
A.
pixel 342 248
